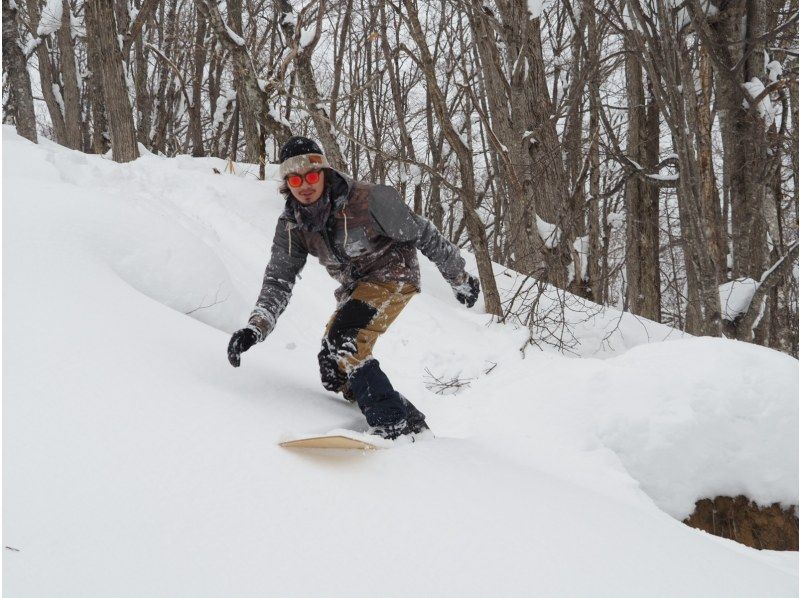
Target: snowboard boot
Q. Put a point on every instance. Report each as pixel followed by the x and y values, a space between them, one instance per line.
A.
pixel 415 419
pixel 413 424
pixel 389 431
pixel 379 402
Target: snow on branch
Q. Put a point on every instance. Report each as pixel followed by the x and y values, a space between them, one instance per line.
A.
pixel 257 96
pixel 735 297
pixel 550 233
pixel 742 300
pixel 307 36
pixel 50 22
pixel 662 177
pixel 535 8
pixel 235 37
pixel 581 247
pixel 761 100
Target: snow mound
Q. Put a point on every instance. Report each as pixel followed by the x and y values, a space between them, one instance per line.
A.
pixel 707 420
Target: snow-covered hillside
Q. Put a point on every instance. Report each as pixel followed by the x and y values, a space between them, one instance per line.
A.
pixel 137 462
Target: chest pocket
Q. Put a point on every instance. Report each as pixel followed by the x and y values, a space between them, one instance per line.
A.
pixel 354 242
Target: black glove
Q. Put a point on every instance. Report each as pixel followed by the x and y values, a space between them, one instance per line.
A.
pixel 241 341
pixel 467 292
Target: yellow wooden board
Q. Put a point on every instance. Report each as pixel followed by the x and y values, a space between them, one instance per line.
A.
pixel 330 442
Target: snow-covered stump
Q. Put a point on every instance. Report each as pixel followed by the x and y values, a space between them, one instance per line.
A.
pixel 742 520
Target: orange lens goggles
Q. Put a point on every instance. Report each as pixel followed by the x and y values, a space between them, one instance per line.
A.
pixel 311 177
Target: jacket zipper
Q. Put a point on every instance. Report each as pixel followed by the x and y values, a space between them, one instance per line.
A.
pixel 331 245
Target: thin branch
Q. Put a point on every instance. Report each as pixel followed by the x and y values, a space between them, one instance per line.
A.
pixel 175 68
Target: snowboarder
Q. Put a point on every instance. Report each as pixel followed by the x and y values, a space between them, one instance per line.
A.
pixel 367 239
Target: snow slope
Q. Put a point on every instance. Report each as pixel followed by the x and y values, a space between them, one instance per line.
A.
pixel 137 462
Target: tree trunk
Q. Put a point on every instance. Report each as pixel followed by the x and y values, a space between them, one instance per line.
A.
pixel 715 231
pixel 101 24
pixel 308 86
pixel 46 76
pixel 247 114
pixel 144 105
pixel 643 291
pixel 69 76
pixel 741 22
pixel 511 147
pixel 475 227
pixel 544 176
pixel 406 145
pixel 576 163
pixel 596 254
pixel 737 35
pixel 339 53
pixel 19 82
pixel 435 144
pixel 195 110
pixel 100 137
pixel 257 98
pixel 664 55
pixel 163 103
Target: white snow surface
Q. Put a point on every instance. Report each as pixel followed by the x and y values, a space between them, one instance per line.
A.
pixel 138 462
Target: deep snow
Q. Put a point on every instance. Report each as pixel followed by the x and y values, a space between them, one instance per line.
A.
pixel 137 462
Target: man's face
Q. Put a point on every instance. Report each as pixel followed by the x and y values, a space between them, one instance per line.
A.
pixel 307 193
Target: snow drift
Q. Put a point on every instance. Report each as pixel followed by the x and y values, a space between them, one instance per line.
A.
pixel 138 462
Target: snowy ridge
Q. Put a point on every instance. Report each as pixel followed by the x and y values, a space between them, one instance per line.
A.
pixel 138 462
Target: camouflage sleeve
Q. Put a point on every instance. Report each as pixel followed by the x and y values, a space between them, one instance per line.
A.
pixel 287 260
pixel 395 220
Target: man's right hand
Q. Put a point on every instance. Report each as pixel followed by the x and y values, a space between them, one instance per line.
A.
pixel 241 341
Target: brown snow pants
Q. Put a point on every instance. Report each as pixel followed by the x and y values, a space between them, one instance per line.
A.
pixel 355 326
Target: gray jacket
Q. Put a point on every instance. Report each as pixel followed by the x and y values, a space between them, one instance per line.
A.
pixel 371 236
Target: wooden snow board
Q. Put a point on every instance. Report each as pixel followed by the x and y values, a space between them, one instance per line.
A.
pixel 336 441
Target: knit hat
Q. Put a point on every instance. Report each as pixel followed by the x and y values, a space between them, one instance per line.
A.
pixel 300 154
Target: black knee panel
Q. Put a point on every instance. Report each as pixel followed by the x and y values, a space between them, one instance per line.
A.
pixel 332 377
pixel 341 341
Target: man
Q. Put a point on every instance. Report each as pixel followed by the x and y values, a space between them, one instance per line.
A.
pixel 367 239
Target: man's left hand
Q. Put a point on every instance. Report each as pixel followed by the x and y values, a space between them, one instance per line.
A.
pixel 467 292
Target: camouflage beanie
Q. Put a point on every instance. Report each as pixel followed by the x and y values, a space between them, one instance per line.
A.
pixel 299 154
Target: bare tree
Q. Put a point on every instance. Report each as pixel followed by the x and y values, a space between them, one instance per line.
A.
pixel 195 106
pixel 69 79
pixel 248 117
pixel 302 50
pixel 50 90
pixel 637 153
pixel 101 24
pixel 466 191
pixel 257 98
pixel 643 291
pixel 14 63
